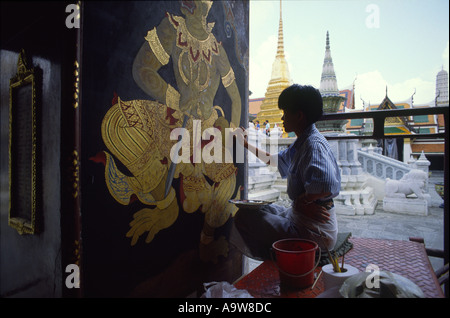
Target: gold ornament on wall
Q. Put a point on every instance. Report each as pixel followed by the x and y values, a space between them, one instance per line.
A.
pixel 23 149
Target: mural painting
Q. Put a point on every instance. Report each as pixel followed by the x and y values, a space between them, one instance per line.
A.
pixel 188 82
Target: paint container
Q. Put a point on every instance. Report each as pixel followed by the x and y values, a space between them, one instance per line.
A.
pixel 295 260
pixel 332 279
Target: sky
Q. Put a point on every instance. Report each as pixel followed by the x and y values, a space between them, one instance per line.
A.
pixel 398 44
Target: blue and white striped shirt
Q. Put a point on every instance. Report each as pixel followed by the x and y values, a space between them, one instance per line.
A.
pixel 310 165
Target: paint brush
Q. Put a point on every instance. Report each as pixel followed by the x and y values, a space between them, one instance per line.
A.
pixel 336 267
pixel 333 260
pixel 317 278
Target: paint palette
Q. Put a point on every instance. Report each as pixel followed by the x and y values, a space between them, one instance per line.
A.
pixel 250 204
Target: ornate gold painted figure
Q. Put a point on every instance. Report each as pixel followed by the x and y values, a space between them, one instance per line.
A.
pixel 137 132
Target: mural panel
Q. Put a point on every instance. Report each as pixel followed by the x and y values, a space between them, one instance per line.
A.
pixel 158 79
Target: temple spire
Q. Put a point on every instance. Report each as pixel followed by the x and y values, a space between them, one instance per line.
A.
pixel 280 68
pixel 328 82
pixel 280 47
pixel 332 100
pixel 279 80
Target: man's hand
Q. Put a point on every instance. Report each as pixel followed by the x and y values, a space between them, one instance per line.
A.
pixel 241 138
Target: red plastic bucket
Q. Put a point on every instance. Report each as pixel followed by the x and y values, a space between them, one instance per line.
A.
pixel 295 260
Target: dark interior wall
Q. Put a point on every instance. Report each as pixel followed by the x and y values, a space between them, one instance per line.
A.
pixel 168 266
pixel 31 264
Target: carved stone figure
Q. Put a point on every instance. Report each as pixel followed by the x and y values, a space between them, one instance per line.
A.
pixel 411 183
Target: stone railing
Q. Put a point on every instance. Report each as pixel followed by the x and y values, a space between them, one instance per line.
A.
pixel 380 166
pixel 261 178
pixel 383 167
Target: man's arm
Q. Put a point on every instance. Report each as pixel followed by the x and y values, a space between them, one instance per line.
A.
pixel 266 157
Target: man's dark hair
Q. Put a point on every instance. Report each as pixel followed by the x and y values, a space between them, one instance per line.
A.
pixel 302 97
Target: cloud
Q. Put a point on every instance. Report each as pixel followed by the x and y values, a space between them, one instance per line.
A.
pixel 371 87
pixel 424 91
pixel 261 66
pixel 445 57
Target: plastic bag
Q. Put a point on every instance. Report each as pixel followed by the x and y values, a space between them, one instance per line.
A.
pixel 224 290
pixel 390 285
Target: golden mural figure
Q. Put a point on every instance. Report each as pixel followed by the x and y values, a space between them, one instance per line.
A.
pixel 137 132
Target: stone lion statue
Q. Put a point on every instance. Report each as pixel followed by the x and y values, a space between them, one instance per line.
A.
pixel 413 182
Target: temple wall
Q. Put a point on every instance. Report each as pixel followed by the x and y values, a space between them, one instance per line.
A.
pixel 137 240
pixel 31 264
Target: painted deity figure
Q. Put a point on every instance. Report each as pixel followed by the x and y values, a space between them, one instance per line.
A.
pixel 137 132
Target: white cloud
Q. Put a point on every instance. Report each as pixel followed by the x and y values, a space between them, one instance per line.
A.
pixel 371 87
pixel 445 57
pixel 261 66
pixel 424 91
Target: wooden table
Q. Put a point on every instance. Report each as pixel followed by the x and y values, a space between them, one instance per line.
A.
pixel 406 258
